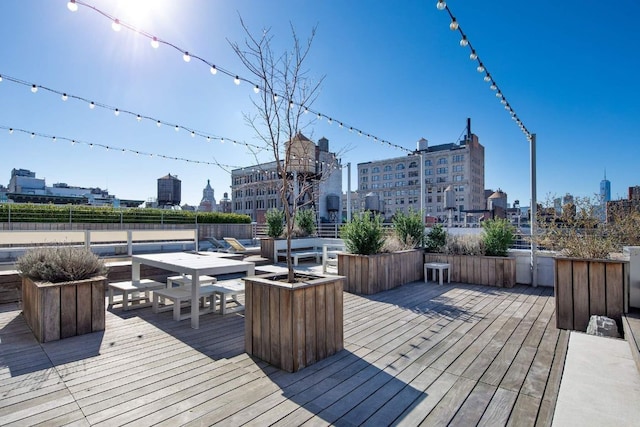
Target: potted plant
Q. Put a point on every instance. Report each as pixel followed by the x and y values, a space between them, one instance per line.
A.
pixel 477 258
pixel 375 262
pixel 589 275
pixel 275 228
pixel 63 291
pixel 291 320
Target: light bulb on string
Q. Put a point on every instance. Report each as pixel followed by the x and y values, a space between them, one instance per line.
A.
pixel 33 135
pixel 275 97
pixel 493 86
pixel 329 120
pixel 138 118
pixel 10 131
pixel 158 123
pixel 72 6
pixel 115 25
pixel 213 70
pixel 487 78
pixel 319 116
pixel 155 43
pixel 498 94
pixel 306 110
pixel 503 101
pixel 186 57
pixel 464 42
pixel 208 139
pixel 34 88
pixel 73 142
pixel 473 55
pixel 0 78
pixel 64 97
pixel 453 25
pixel 480 68
pixel 193 134
pixel 256 89
pixel 290 104
pixel 54 139
pixel 177 128
pixel 441 5
pixel 221 140
pixel 116 112
pixel 91 145
pixel 236 80
pixel 92 105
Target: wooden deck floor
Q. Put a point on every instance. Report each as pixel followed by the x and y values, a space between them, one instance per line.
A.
pixel 420 354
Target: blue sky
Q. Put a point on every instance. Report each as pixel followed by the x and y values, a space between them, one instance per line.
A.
pixel 392 69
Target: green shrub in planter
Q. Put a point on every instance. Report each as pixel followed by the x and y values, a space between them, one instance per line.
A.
pixel 60 264
pixel 306 221
pixel 409 228
pixel 364 234
pixel 436 238
pixel 498 236
pixel 275 222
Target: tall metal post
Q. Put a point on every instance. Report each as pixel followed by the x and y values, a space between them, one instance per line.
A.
pixel 349 192
pixel 534 214
pixel 422 206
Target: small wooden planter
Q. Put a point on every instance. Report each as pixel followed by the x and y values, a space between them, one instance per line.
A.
pixel 479 270
pixel 60 310
pixel 292 326
pixel 587 287
pixel 267 248
pixel 370 274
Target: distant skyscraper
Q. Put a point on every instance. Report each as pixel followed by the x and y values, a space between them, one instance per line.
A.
pixel 605 189
pixel 208 202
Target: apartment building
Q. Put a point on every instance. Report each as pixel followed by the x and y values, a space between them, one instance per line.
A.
pixel 453 181
pixel 317 175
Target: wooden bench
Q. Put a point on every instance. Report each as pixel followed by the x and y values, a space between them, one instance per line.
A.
pixel 181 296
pixel 228 289
pixel 131 293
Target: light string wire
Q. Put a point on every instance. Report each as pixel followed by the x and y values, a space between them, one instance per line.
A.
pixel 481 68
pixel 214 69
pixel 55 138
pixel 92 104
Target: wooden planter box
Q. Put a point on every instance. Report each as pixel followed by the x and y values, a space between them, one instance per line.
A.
pixel 586 287
pixel 478 270
pixel 267 248
pixel 60 310
pixel 370 274
pixel 292 326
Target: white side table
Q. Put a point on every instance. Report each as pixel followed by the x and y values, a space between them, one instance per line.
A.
pixel 440 267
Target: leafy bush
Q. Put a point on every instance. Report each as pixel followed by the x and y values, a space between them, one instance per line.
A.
pixel 306 221
pixel 409 227
pixel 60 264
pixel 498 236
pixel 275 222
pixel 436 238
pixel 364 234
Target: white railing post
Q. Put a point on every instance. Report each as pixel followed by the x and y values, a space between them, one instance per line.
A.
pixel 87 239
pixel 129 242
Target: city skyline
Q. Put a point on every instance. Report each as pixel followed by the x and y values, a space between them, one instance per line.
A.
pixel 398 74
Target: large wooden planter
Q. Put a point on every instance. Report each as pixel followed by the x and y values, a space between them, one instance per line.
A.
pixel 267 248
pixel 478 270
pixel 295 325
pixel 586 287
pixel 370 274
pixel 60 310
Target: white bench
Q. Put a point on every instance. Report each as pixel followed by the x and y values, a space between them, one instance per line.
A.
pixel 330 253
pixel 181 296
pixel 131 292
pixel 436 266
pixel 228 289
pixel 185 280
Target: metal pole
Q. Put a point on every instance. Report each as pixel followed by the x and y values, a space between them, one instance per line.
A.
pixel 349 192
pixel 534 214
pixel 422 207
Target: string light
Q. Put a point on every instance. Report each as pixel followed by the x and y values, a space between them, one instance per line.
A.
pixel 92 105
pixel 116 112
pixel 64 97
pixel 115 25
pixel 214 69
pixel 186 57
pixel 34 88
pixel 72 6
pixel 154 43
pixel 256 89
pixel 481 68
pixel 74 142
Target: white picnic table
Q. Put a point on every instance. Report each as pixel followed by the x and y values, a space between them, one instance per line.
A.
pixel 195 265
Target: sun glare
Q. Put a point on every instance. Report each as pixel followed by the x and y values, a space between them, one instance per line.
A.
pixel 139 13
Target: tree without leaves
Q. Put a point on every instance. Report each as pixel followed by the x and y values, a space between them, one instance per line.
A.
pixel 285 94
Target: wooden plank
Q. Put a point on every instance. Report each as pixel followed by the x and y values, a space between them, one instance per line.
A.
pixel 484 270
pixel 286 330
pixel 274 326
pixel 581 294
pixel 474 406
pixel 498 411
pixel 509 276
pixel 299 338
pixel 330 319
pixel 97 306
pixel 492 280
pixel 615 291
pixel 597 289
pixel 310 326
pixel 446 409
pixel 248 316
pixel 50 313
pixel 339 315
pixel 85 306
pixel 500 274
pixel 68 317
pixel 321 321
pixel 564 294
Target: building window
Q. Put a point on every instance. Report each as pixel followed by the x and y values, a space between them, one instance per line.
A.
pixel 458 178
pixel 364 170
pixel 413 165
pixel 428 171
pixel 413 174
pixel 458 158
pixel 388 168
pixel 364 179
pixel 442 161
pixel 441 171
pixel 458 168
pixel 442 179
pixel 375 169
pixel 428 162
pixel 400 166
pixel 364 187
pixel 375 178
pixel 399 175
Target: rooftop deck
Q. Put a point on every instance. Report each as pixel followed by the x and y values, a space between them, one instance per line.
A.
pixel 454 354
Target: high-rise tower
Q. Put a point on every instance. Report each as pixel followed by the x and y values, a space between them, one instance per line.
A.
pixel 605 189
